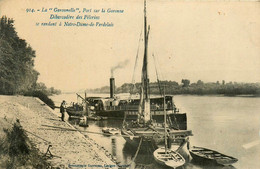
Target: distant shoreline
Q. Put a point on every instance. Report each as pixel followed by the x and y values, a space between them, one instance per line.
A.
pixel 186 87
pixel 219 95
pixel 216 95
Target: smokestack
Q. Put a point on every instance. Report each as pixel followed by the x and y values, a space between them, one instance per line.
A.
pixel 112 79
pixel 112 87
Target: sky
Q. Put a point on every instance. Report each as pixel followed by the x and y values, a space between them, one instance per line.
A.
pixel 208 41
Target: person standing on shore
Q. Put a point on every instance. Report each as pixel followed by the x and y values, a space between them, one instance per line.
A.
pixel 62 110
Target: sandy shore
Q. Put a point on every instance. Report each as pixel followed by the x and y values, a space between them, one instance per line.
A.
pixel 71 148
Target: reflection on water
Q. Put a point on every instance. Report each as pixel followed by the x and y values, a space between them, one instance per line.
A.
pixel 113 146
pixel 224 124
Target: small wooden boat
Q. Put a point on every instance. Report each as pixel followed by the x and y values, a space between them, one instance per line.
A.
pixel 110 130
pixel 204 155
pixel 170 158
pixel 83 122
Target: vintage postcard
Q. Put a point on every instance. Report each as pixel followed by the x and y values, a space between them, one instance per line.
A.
pixel 129 84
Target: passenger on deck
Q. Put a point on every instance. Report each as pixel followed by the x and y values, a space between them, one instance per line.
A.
pixel 169 105
pixel 169 143
pixel 157 106
pixel 141 121
pixel 77 106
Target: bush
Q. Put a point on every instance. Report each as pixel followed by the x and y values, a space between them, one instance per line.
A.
pixel 42 96
pixel 18 151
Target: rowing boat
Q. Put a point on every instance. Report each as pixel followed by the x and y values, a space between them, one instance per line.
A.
pixel 110 130
pixel 169 158
pixel 204 155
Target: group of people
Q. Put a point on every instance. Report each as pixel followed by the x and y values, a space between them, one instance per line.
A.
pixel 76 106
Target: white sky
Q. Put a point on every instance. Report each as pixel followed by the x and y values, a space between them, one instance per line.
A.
pixel 211 41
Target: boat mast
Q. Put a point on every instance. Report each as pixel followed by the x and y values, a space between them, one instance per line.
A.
pixel 165 131
pixel 145 78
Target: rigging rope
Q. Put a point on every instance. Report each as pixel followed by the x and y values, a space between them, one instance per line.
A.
pixel 137 151
pixel 30 132
pixel 38 137
pixel 71 129
pixel 136 59
pixel 182 145
pixel 157 75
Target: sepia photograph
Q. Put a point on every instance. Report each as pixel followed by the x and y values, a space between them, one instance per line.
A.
pixel 129 84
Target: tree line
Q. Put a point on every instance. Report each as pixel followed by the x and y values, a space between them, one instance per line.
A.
pixel 185 87
pixel 17 73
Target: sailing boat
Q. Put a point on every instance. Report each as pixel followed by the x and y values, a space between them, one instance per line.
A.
pixel 145 129
pixel 166 156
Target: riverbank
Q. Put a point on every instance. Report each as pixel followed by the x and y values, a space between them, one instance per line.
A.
pixel 107 94
pixel 70 148
pixel 185 87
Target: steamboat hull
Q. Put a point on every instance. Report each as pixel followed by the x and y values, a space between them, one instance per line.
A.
pixel 111 114
pixel 74 113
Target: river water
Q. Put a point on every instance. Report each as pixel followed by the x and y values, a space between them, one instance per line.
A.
pixel 230 125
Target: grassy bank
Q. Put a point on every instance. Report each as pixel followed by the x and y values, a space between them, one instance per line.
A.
pixel 16 150
pixel 68 147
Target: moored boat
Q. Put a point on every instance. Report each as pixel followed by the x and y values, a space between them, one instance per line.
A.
pixel 204 155
pixel 169 158
pixel 145 128
pixel 83 121
pixel 165 155
pixel 110 130
pixel 78 111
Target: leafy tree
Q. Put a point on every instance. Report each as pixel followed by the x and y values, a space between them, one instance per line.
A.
pixel 200 83
pixel 17 73
pixel 185 82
